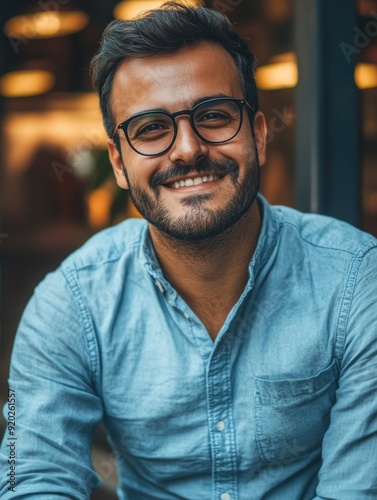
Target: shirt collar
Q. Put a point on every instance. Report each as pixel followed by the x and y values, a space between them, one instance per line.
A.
pixel 268 237
pixel 266 243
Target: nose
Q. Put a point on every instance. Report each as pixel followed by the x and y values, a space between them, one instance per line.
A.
pixel 187 147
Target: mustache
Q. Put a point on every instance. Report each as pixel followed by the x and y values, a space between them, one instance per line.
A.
pixel 206 165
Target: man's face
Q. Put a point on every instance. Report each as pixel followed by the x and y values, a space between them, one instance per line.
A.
pixel 230 170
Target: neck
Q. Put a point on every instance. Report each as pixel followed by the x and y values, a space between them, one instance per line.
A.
pixel 210 272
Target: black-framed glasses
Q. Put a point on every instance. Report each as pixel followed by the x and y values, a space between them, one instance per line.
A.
pixel 215 121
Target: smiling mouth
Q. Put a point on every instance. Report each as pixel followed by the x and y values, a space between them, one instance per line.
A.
pixel 193 181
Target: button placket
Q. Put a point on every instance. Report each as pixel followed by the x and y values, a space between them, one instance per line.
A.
pixel 222 434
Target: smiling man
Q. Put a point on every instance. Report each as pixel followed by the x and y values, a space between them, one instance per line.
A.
pixel 189 154
pixel 230 347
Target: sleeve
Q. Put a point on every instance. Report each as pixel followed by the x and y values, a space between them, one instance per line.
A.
pixel 349 454
pixel 52 385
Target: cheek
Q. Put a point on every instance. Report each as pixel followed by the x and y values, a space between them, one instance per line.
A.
pixel 240 149
pixel 140 170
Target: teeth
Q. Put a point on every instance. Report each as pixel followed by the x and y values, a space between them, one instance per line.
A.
pixel 195 181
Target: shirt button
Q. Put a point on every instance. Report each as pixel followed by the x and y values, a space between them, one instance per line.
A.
pixel 160 287
pixel 220 427
pixel 225 496
pixel 187 316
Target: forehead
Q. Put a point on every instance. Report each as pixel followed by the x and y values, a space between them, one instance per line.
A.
pixel 174 81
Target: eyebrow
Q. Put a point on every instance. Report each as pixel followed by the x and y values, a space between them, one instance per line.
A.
pixel 213 96
pixel 164 110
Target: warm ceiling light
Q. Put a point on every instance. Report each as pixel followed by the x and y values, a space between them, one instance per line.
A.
pixel 279 75
pixel 283 57
pixel 26 83
pixel 46 24
pixel 132 8
pixel 366 76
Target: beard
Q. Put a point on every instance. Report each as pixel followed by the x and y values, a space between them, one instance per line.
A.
pixel 199 222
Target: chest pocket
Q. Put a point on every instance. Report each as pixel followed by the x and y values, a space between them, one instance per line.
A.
pixel 292 416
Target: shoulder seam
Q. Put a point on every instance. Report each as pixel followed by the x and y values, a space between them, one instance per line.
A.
pixel 345 307
pixel 87 265
pixel 87 321
pixel 358 253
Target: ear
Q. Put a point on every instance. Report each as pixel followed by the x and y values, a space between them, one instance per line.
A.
pixel 260 131
pixel 117 164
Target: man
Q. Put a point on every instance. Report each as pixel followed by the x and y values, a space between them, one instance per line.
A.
pixel 229 346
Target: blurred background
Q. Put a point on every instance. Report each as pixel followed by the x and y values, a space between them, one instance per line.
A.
pixel 318 86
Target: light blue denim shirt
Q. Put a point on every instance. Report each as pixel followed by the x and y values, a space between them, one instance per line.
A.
pixel 283 405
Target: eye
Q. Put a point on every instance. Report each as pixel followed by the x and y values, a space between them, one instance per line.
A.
pixel 212 116
pixel 213 119
pixel 149 126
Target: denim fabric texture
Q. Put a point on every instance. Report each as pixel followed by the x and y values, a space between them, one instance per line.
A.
pixel 282 405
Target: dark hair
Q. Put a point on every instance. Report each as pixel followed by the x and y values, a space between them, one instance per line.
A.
pixel 162 31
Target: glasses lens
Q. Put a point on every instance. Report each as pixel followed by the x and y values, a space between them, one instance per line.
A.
pixel 217 121
pixel 151 133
